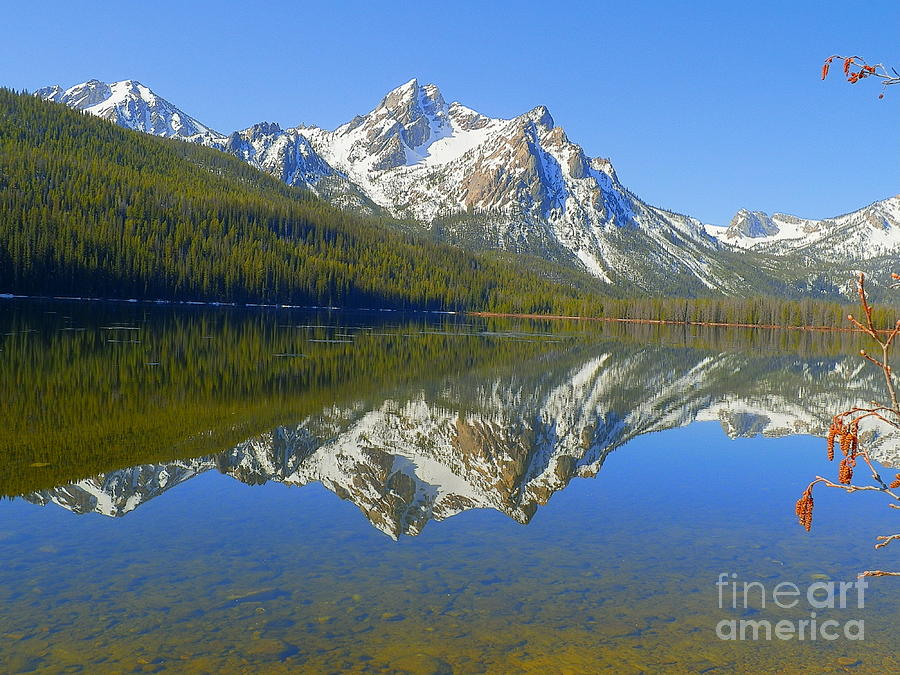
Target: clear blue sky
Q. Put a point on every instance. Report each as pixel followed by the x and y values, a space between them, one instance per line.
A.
pixel 704 107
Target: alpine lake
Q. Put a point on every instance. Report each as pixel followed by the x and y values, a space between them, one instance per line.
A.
pixel 194 489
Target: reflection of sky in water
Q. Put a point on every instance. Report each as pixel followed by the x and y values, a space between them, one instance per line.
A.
pixel 615 573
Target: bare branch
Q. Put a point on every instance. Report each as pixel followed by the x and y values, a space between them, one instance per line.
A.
pixel 845 425
pixel 884 541
pixel 856 488
pixel 856 69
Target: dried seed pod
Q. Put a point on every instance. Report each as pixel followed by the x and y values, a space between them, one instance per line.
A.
pixel 845 471
pixel 804 509
pixel 845 442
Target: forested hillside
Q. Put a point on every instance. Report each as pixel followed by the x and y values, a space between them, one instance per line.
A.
pixel 88 208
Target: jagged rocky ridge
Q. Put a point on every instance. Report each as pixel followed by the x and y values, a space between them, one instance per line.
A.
pixel 871 232
pixel 521 185
pixel 510 441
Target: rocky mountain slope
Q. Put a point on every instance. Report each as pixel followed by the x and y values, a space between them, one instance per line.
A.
pixel 871 232
pixel 132 105
pixel 522 185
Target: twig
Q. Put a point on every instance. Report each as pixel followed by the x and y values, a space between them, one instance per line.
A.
pixel 877 573
pixel 885 540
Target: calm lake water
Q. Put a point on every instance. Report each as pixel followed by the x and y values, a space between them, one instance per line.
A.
pixel 213 490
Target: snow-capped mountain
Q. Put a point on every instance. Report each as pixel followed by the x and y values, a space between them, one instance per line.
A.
pixel 871 232
pixel 132 105
pixel 289 156
pixel 520 184
pixel 285 154
pixel 510 441
pixel 516 184
pixel 831 251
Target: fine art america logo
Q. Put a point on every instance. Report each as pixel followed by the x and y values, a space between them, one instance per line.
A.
pixel 810 600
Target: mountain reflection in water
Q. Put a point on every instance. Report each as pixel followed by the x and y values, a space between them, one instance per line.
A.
pixel 415 421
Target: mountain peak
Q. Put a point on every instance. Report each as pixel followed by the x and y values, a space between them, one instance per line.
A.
pixel 411 98
pixel 52 93
pixel 431 92
pixel 410 85
pixel 264 128
pixel 540 116
pixel 404 95
pixel 754 224
pixel 133 86
pixel 408 119
pixel 133 105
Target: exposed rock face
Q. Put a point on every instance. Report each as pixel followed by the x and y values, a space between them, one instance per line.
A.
pixel 751 224
pixel 408 118
pixel 286 155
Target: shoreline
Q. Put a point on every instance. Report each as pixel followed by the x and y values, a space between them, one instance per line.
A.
pixel 217 304
pixel 666 322
pixel 501 315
